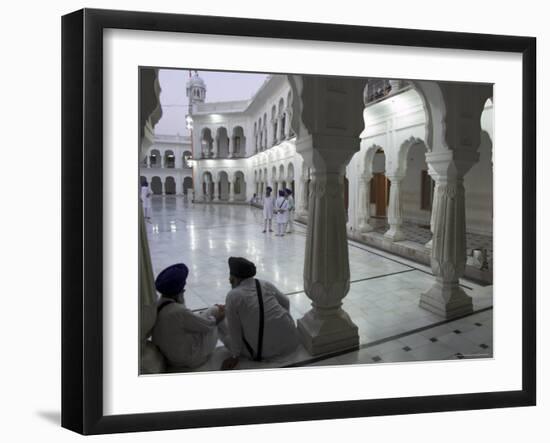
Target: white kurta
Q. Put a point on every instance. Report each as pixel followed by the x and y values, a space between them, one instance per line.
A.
pixel 290 202
pixel 186 339
pixel 268 207
pixel 281 206
pixel 242 319
pixel 145 197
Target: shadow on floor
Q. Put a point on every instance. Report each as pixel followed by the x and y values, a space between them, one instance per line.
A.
pixel 54 417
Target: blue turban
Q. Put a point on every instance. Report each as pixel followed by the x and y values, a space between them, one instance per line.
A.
pixel 172 280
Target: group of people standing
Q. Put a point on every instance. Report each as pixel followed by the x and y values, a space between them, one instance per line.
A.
pixel 254 323
pixel 283 210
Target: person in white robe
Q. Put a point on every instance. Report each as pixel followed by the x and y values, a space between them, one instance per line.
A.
pixel 185 338
pixel 291 207
pixel 249 331
pixel 268 209
pixel 281 211
pixel 145 199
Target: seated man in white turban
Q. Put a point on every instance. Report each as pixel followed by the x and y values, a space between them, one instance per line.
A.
pixel 257 321
pixel 186 339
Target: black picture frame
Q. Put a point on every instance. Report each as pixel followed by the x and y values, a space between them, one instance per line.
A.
pixel 82 231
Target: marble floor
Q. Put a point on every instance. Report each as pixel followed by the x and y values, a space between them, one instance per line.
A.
pixel 382 301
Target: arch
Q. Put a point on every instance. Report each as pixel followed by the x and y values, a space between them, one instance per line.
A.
pixel 274 125
pixel 206 143
pixel 239 142
pixel 143 181
pixel 156 185
pixel 169 185
pixel 256 146
pixel 187 155
pixel 169 159
pixel 290 171
pixel 487 120
pixel 290 131
pixel 478 190
pixel 223 184
pixel 417 186
pixel 187 184
pixel 264 136
pixel 239 186
pixel 222 140
pixel 403 153
pixel 282 175
pixel 379 184
pixel 282 119
pixel 207 184
pixel 368 159
pixel 435 111
pixel 155 159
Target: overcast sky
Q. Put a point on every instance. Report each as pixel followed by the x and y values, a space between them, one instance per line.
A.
pixel 220 86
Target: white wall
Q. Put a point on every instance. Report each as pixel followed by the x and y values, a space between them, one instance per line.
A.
pixel 411 187
pixel 30 374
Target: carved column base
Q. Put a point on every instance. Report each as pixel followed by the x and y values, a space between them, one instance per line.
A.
pixel 365 227
pixel 322 332
pixel 395 233
pixel 447 300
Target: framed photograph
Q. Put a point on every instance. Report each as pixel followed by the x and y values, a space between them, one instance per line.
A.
pixel 269 221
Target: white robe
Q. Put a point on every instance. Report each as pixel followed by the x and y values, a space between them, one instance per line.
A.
pixel 281 208
pixel 268 207
pixel 186 339
pixel 242 320
pixel 145 197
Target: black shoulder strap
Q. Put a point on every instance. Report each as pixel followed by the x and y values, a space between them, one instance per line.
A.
pixel 163 305
pixel 261 326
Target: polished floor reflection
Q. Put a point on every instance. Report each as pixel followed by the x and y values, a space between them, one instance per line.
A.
pixel 382 301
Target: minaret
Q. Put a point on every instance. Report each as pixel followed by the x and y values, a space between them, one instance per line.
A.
pixel 196 90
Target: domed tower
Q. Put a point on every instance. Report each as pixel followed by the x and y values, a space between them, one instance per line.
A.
pixel 196 90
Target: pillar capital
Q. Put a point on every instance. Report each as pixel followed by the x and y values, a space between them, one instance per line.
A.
pixel 450 164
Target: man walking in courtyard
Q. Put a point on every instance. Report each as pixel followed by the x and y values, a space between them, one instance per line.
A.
pixel 257 321
pixel 268 209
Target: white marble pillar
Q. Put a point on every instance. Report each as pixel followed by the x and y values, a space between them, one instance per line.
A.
pixel 302 201
pixel 199 192
pixel 320 105
pixel 448 256
pixel 215 193
pixel 434 203
pixel 179 185
pixel 231 147
pixel 178 161
pixel 395 210
pixel 327 327
pixel 364 204
pixel 216 148
pixel 231 188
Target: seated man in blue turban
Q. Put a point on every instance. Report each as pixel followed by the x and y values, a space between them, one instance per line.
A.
pixel 186 339
pixel 257 321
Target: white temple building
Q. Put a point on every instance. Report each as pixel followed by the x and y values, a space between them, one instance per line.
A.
pixel 401 166
pixel 239 148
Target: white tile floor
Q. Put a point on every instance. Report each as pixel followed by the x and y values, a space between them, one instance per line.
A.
pixel 382 301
